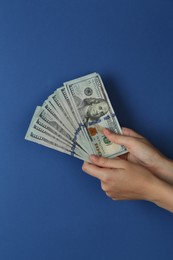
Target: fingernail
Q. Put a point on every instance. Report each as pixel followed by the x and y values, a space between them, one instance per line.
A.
pixel 84 167
pixel 93 157
pixel 107 131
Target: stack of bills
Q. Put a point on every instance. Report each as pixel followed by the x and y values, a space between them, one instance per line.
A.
pixel 71 120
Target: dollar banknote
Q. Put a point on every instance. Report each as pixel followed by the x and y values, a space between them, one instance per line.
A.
pixel 72 120
pixel 94 110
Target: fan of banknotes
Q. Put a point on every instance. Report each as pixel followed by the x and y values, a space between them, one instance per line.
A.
pixel 71 120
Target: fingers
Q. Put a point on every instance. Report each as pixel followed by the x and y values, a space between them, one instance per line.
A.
pixel 107 162
pixel 94 170
pixel 106 189
pixel 103 186
pixel 107 193
pixel 97 172
pixel 118 138
pixel 130 132
pixel 104 176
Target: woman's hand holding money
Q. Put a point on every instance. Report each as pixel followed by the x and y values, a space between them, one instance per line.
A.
pixel 142 152
pixel 139 176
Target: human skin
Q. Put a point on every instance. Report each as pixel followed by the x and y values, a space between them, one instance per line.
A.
pixel 131 178
pixel 142 152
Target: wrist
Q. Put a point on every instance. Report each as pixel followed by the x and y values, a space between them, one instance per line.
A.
pixel 161 194
pixel 151 188
pixel 164 169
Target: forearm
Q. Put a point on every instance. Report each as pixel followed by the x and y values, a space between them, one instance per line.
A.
pixel 164 170
pixel 161 193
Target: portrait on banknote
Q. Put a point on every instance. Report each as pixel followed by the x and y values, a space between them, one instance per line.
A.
pixel 91 109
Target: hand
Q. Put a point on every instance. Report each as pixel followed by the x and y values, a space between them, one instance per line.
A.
pixel 143 153
pixel 121 179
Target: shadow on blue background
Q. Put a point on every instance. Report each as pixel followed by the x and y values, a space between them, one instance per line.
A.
pixel 50 209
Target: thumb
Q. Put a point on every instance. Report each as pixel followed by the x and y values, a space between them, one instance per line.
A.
pixel 127 141
pixel 130 132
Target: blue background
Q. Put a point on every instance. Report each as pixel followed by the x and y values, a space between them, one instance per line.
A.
pixel 49 208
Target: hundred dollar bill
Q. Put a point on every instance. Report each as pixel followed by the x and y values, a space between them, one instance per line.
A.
pixel 41 132
pixel 94 111
pixel 45 141
pixel 64 96
pixel 57 138
pixel 56 104
pixel 60 106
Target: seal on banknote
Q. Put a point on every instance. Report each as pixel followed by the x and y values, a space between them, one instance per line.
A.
pixel 88 91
